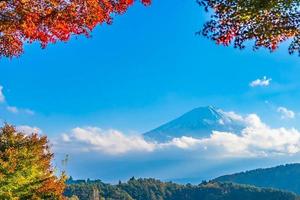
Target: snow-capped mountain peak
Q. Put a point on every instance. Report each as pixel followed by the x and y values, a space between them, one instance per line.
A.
pixel 197 123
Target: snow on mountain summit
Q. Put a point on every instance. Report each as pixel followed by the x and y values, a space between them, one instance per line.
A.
pixel 197 123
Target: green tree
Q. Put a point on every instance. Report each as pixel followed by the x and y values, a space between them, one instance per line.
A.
pixel 25 167
pixel 74 197
pixel 266 22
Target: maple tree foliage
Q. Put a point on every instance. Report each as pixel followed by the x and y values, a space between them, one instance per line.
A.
pixel 25 167
pixel 266 22
pixel 47 21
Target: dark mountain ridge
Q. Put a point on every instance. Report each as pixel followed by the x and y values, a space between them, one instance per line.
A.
pixel 284 177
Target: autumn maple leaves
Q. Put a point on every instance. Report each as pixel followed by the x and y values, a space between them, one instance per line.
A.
pixel 48 21
pixel 233 22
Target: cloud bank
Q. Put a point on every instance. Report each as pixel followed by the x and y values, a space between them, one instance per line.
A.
pixel 256 140
pixel 106 141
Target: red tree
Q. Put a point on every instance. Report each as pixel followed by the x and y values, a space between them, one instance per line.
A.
pixel 48 21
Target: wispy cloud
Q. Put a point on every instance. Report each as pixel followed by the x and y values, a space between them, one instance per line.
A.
pixel 264 82
pixel 2 97
pixel 16 110
pixel 28 129
pixel 232 115
pixel 286 113
pixel 12 109
pixel 28 111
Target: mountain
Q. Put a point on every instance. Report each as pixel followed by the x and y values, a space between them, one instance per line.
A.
pixel 151 189
pixel 197 123
pixel 284 177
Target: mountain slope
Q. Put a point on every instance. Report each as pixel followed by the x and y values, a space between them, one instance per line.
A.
pixel 285 177
pixel 197 123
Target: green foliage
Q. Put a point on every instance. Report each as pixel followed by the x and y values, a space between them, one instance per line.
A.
pixel 74 197
pixel 151 189
pixel 85 190
pixel 25 167
pixel 266 22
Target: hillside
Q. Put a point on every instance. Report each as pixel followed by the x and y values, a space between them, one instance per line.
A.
pixel 151 189
pixel 285 177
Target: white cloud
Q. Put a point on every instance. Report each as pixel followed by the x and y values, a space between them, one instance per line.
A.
pixel 286 113
pixel 264 82
pixel 28 111
pixel 12 109
pixel 65 137
pixel 28 129
pixel 183 143
pixel 256 140
pixel 257 145
pixel 107 141
pixel 16 110
pixel 232 115
pixel 2 97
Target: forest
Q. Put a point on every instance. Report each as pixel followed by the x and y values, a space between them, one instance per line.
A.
pixel 151 189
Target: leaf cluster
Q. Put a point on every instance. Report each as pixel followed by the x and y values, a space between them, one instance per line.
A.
pixel 265 22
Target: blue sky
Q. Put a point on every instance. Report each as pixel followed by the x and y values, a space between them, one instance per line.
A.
pixel 145 69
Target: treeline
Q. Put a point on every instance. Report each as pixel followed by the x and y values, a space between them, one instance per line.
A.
pixel 151 189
